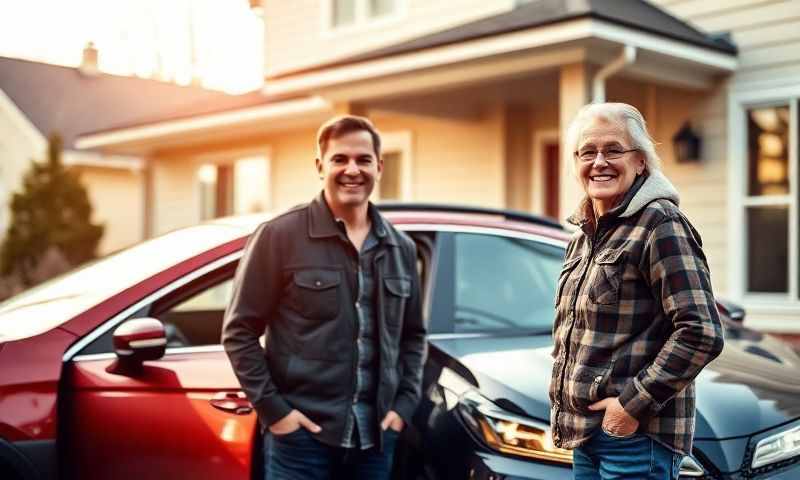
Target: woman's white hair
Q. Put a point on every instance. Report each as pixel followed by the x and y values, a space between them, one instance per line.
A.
pixel 628 117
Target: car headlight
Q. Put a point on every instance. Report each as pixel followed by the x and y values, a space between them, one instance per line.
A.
pixel 507 432
pixel 778 447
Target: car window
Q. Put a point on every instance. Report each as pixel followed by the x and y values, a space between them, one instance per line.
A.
pixel 504 283
pixel 197 320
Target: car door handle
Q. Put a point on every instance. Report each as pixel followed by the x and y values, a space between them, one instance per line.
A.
pixel 234 402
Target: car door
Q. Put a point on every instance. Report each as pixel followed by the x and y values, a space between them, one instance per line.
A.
pixel 182 416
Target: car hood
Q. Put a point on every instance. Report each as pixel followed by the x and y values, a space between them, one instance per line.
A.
pixel 752 386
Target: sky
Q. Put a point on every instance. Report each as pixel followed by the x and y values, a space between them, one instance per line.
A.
pixel 135 36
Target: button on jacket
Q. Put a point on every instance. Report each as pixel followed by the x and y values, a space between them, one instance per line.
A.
pixel 635 318
pixel 298 284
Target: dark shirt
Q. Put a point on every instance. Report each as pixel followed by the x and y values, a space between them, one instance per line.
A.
pixel 362 421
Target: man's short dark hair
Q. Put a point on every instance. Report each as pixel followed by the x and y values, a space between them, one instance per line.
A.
pixel 340 126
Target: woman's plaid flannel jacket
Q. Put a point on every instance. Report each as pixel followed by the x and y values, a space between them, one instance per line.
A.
pixel 635 319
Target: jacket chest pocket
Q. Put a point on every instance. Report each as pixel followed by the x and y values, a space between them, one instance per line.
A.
pixel 314 293
pixel 565 278
pixel 395 292
pixel 607 277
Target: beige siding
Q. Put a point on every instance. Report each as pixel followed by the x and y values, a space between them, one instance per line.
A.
pixel 703 185
pixel 175 192
pixel 17 150
pixel 297 35
pixel 767 33
pixel 116 197
pixel 452 160
pixel 295 178
pixel 455 160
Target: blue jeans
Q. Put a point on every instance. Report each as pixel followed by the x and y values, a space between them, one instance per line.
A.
pixel 604 457
pixel 300 456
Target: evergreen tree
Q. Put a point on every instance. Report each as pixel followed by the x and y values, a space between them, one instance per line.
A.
pixel 51 211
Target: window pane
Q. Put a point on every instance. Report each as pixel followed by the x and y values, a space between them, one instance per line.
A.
pixel 381 7
pixel 207 184
pixel 768 150
pixel 767 250
pixel 344 12
pixel 504 283
pixel 390 178
pixel 198 320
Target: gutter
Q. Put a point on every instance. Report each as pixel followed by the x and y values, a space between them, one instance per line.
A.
pixel 627 57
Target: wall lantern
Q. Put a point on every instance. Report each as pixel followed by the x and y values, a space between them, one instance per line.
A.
pixel 686 144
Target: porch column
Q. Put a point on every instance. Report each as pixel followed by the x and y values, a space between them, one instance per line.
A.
pixel 574 93
pixel 517 152
pixel 148 197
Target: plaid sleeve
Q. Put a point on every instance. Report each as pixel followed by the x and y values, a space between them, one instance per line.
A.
pixel 675 267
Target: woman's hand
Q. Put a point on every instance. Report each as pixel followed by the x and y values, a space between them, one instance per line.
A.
pixel 616 420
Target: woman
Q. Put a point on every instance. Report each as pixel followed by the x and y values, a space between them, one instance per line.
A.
pixel 636 319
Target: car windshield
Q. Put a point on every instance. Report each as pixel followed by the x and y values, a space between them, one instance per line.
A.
pixel 52 303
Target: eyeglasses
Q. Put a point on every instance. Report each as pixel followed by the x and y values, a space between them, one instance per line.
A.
pixel 610 154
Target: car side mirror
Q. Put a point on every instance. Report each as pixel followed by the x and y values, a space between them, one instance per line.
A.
pixel 734 311
pixel 137 341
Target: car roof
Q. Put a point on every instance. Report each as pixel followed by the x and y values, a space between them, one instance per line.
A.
pixel 435 214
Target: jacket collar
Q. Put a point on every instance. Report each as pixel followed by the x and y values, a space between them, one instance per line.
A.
pixel 644 190
pixel 322 224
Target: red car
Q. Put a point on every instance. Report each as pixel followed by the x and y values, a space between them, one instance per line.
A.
pixel 75 398
pixel 115 371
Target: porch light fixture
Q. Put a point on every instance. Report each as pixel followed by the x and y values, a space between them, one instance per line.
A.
pixel 686 144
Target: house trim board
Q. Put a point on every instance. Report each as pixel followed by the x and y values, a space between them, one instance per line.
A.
pixel 82 158
pixel 279 110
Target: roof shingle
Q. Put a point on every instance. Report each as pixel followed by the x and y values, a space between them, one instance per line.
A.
pixel 63 100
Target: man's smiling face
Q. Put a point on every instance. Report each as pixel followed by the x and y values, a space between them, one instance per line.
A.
pixel 606 181
pixel 349 169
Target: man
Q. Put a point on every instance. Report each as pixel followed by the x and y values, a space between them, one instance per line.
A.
pixel 335 289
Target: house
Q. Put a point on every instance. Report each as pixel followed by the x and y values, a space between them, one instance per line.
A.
pixel 473 98
pixel 38 99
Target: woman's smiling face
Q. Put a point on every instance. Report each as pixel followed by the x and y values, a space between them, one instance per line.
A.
pixel 605 180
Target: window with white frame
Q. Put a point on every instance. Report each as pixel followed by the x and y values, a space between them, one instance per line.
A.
pixel 772 220
pixel 233 186
pixel 349 13
pixel 395 183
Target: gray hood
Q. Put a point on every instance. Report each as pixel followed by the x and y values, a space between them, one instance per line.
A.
pixel 655 187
